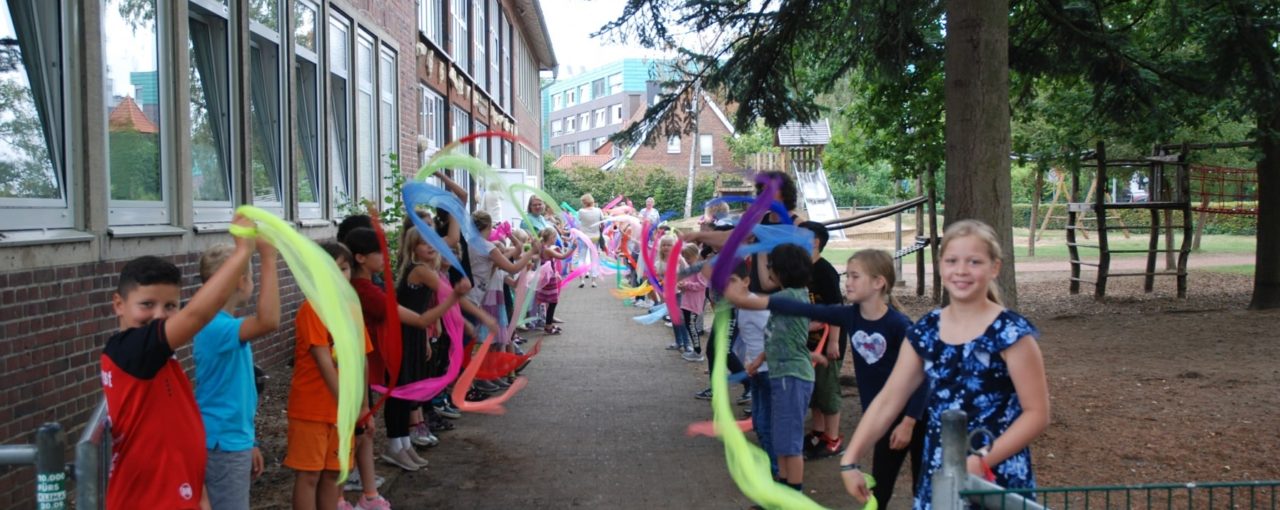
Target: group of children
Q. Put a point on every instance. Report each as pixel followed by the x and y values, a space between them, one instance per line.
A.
pixel 792 327
pixel 159 463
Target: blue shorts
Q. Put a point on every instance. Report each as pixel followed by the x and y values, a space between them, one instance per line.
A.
pixel 790 403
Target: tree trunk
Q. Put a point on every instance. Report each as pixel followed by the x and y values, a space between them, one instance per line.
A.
pixel 977 123
pixel 1266 272
pixel 1035 211
pixel 696 151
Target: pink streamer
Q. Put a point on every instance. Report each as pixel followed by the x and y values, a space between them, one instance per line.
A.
pixel 708 428
pixel 427 389
pixel 669 287
pixel 613 202
pixel 522 289
pixel 492 405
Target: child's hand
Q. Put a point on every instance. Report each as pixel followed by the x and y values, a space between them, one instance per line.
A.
pixel 753 368
pixel 855 483
pixel 463 288
pixel 265 249
pixel 901 436
pixel 818 358
pixel 241 221
pixel 258 464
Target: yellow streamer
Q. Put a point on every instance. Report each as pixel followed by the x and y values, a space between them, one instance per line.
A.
pixel 624 293
pixel 337 306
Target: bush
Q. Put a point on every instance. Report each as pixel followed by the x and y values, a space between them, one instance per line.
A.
pixel 1218 223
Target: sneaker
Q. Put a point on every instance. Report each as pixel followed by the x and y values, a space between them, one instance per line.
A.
pixel 417 459
pixel 673 347
pixel 354 485
pixel 703 395
pixel 582 284
pixel 343 504
pixel 375 503
pixel 500 383
pixel 745 399
pixel 447 411
pixel 400 459
pixel 693 357
pixel 515 349
pixel 441 425
pixel 422 436
pixel 475 395
pixel 812 440
pixel 831 448
pixel 486 387
pixel 593 284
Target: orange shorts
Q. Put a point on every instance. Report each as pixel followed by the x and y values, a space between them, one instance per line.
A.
pixel 313 446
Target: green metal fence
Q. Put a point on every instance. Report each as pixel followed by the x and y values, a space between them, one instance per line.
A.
pixel 953 487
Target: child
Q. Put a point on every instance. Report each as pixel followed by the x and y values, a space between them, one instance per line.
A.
pixel 489 264
pixel 824 289
pixel 693 300
pixel 790 363
pixel 877 331
pixel 313 406
pixel 549 293
pixel 751 325
pixel 225 388
pixel 157 440
pixel 980 358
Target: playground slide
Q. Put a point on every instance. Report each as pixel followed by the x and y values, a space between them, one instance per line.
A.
pixel 819 204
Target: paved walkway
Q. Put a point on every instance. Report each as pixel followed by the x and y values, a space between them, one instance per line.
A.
pixel 601 425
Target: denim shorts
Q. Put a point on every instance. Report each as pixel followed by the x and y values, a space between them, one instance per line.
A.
pixel 227 478
pixel 790 404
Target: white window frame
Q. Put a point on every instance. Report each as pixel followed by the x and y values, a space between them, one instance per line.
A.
pixel 480 41
pixel 480 147
pixel 600 119
pixel 615 83
pixel 673 144
pixel 51 43
pixel 495 45
pixel 584 147
pixel 557 102
pixel 460 36
pixel 571 124
pixel 616 116
pixel 557 127
pixel 431 21
pixel 366 116
pixel 507 48
pixel 706 150
pixel 271 73
pixel 584 121
pixel 598 88
pixel 216 20
pixel 340 161
pixel 571 97
pixel 430 121
pixel 584 93
pixel 388 112
pixel 308 116
pixel 148 212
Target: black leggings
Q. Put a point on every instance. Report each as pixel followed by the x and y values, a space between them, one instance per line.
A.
pixel 396 416
pixel 735 364
pixel 551 313
pixel 886 462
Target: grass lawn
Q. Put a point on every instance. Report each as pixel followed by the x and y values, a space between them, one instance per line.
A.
pixel 1244 269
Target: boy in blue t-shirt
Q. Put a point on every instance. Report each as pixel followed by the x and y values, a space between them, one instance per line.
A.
pixel 225 389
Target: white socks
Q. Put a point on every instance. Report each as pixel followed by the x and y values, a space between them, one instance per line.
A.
pixel 399 443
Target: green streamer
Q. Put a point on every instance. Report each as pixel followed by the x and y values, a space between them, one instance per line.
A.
pixel 335 302
pixel 480 169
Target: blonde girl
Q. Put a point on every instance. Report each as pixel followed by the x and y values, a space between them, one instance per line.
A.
pixel 549 293
pixel 980 357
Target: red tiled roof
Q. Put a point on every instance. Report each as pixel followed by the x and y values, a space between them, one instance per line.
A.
pixel 589 160
pixel 128 117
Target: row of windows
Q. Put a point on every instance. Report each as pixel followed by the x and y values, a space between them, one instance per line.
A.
pixel 600 117
pixel 586 92
pixel 477 35
pixel 359 98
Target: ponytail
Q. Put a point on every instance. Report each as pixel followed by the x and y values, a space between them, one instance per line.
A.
pixel 878 263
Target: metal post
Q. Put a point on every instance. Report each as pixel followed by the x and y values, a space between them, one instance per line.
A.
pixel 897 246
pixel 51 468
pixel 93 454
pixel 949 479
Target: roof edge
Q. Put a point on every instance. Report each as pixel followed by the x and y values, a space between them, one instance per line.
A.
pixel 541 47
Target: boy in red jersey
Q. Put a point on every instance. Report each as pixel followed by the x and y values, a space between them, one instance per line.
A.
pixel 157 436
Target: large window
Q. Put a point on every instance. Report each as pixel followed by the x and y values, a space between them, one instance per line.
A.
pixel 481 145
pixel 615 83
pixel 673 145
pixel 388 120
pixel 616 115
pixel 495 48
pixel 131 59
pixel 210 110
pixel 584 93
pixel 459 127
pixel 597 88
pixel 430 121
pixel 584 147
pixel 507 48
pixel 557 101
pixel 571 97
pixel 507 148
pixel 600 117
pixel 366 134
pixel 431 20
pixel 571 124
pixel 265 104
pixel 584 121
pixel 480 64
pixel 704 150
pixel 33 164
pixel 461 46
pixel 557 127
pixel 339 109
pixel 306 132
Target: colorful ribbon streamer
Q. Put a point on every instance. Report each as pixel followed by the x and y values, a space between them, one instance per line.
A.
pixel 390 344
pixel 336 304
pixel 669 290
pixel 492 405
pixel 427 389
pixel 429 234
pixel 724 265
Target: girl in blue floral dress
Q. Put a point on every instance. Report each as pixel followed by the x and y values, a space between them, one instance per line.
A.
pixel 980 357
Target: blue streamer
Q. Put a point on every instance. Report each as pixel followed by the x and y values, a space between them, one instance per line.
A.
pixel 414 194
pixel 769 237
pixel 655 314
pixel 774 206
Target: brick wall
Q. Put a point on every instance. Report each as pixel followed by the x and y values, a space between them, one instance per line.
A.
pixel 54 323
pixel 709 124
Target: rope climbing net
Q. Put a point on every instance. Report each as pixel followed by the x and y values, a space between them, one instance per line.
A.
pixel 1223 190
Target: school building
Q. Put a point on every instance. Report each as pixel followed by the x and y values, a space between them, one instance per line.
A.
pixel 135 127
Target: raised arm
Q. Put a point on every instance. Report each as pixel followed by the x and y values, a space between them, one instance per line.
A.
pixel 837 315
pixel 267 317
pixel 205 304
pixel 453 187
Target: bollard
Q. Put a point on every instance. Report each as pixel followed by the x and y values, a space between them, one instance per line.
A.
pixel 949 479
pixel 51 470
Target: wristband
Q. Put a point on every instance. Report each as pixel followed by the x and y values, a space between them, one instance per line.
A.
pixel 851 467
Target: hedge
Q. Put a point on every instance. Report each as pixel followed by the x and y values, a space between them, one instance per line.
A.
pixel 1218 223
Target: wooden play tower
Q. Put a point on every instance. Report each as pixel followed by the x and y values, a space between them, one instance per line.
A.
pixel 1169 194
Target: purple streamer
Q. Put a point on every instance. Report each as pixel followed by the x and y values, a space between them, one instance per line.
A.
pixel 724 265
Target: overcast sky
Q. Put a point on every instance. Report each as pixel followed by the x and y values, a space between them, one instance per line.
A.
pixel 571 23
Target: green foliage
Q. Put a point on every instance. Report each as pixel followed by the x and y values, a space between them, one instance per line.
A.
pixel 758 140
pixel 135 165
pixel 392 212
pixel 25 168
pixel 634 182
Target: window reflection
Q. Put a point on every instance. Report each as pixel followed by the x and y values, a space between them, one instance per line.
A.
pixel 210 138
pixel 30 103
pixel 133 99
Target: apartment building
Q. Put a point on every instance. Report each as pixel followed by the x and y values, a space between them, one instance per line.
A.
pixel 584 109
